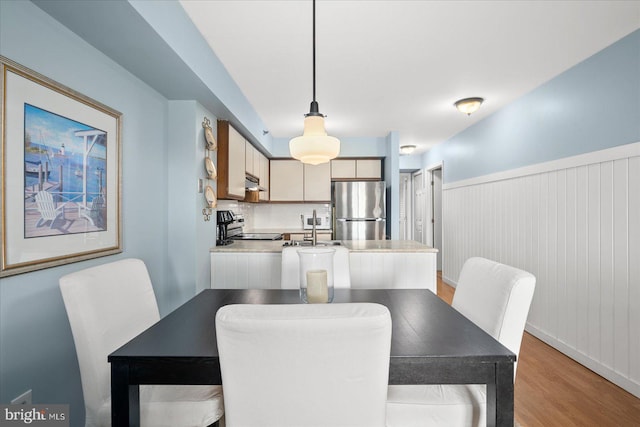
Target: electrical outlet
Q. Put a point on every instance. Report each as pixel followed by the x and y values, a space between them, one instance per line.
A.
pixel 23 399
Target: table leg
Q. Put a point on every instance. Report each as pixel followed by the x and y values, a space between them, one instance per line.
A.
pixel 500 397
pixel 125 398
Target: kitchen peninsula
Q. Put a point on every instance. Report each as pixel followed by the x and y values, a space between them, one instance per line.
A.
pixel 373 264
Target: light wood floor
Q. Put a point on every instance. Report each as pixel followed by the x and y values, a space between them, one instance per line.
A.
pixel 553 390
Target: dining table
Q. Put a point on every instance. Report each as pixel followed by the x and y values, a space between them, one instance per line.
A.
pixel 431 343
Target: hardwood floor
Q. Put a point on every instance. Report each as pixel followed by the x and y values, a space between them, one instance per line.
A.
pixel 554 390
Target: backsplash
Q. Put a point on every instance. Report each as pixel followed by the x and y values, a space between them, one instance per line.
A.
pixel 263 216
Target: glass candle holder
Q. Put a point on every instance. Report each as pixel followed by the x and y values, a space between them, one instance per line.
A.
pixel 316 275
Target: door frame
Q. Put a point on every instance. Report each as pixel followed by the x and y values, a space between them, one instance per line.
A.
pixel 429 217
pixel 409 203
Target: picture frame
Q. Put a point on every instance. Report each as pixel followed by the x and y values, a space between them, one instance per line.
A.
pixel 60 171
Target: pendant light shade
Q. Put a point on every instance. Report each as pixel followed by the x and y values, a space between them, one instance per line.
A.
pixel 314 146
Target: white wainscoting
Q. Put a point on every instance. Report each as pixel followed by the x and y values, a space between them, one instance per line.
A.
pixel 575 224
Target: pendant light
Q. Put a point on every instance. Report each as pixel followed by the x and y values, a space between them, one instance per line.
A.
pixel 314 146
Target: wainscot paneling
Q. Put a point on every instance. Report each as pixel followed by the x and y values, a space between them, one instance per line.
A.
pixel 575 224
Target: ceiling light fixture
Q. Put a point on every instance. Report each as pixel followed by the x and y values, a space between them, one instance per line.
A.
pixel 407 149
pixel 468 105
pixel 314 146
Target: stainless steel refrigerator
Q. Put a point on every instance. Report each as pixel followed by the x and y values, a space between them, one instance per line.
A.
pixel 359 210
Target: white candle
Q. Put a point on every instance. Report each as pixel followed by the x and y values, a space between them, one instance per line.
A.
pixel 317 290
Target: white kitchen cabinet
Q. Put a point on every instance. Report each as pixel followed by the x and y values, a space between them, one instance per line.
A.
pixel 356 169
pixel 264 177
pixel 249 165
pixel 286 181
pixel 245 270
pixel 369 168
pixel 317 183
pixel 369 269
pixel 231 162
pixel 343 168
pixel 393 270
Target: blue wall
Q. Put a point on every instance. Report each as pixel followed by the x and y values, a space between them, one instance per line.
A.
pixel 36 346
pixel 592 106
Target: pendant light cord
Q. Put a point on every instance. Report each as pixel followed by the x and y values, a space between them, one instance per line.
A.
pixel 313 109
pixel 314 50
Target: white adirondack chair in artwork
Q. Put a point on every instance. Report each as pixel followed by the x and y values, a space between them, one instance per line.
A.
pixel 48 209
pixel 93 211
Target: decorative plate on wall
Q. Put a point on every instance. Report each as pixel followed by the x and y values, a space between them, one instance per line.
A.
pixel 212 173
pixel 210 195
pixel 212 145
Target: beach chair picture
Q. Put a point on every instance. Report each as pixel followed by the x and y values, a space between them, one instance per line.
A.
pixel 65 175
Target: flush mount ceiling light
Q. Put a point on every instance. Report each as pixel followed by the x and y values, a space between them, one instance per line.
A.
pixel 314 146
pixel 468 105
pixel 407 149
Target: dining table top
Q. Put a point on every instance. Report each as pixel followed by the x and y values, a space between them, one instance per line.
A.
pixel 422 325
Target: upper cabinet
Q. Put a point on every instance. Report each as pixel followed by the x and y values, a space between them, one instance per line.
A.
pixel 356 169
pixel 317 183
pixel 264 177
pixel 293 181
pixel 231 162
pixel 249 160
pixel 287 181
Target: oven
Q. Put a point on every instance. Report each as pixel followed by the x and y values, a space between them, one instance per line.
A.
pixel 230 228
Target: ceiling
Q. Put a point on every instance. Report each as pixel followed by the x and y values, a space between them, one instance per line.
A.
pixel 387 66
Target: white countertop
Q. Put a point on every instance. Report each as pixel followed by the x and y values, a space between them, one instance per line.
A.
pixel 286 230
pixel 352 245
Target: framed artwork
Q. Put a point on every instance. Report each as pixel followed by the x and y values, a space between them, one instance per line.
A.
pixel 61 175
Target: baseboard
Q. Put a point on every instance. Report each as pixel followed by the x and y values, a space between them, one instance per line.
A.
pixel 600 369
pixel 449 281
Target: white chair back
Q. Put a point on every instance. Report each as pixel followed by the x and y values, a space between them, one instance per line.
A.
pixel 496 297
pixel 304 364
pixel 290 278
pixel 107 306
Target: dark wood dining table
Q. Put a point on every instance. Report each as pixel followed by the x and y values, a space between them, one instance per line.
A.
pixel 431 344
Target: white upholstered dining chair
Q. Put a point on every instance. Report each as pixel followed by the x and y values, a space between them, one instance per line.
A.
pixel 304 365
pixel 290 278
pixel 494 296
pixel 107 306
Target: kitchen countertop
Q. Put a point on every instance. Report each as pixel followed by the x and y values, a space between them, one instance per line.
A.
pixel 352 245
pixel 286 230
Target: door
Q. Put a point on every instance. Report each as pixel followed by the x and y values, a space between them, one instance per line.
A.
pixel 437 213
pixel 360 229
pixel 360 199
pixel 405 206
pixel 419 201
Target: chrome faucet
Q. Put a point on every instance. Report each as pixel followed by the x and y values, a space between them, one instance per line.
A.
pixel 314 235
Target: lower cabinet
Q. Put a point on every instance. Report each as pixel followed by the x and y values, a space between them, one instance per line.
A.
pixel 246 270
pixel 402 270
pixel 369 270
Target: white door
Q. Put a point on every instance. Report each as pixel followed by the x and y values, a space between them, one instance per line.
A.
pixel 436 175
pixel 419 204
pixel 405 206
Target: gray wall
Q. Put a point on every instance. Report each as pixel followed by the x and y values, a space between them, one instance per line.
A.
pixel 592 106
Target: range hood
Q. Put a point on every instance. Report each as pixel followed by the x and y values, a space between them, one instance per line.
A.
pixel 251 183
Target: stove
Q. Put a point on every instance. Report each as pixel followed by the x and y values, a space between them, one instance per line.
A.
pixel 258 236
pixel 230 228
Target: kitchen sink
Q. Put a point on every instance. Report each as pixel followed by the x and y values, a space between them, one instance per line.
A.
pixel 309 243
